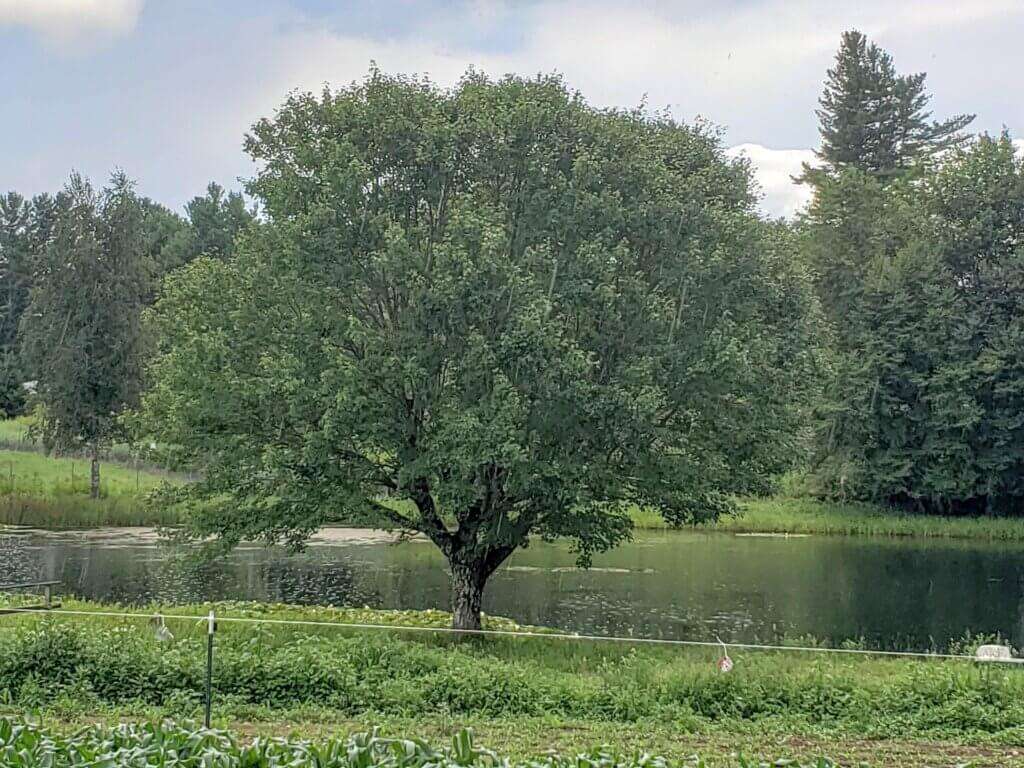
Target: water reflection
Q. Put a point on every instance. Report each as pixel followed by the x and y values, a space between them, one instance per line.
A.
pixel 675 585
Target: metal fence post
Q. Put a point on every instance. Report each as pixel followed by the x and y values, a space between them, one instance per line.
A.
pixel 211 627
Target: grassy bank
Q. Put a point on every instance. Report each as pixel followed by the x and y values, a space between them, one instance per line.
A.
pixel 809 516
pixel 274 677
pixel 51 492
pixel 48 492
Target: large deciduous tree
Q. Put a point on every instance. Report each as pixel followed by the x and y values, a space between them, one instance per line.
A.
pixel 483 315
pixel 82 332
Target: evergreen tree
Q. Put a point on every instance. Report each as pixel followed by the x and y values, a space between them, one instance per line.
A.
pixel 81 331
pixel 217 218
pixel 167 237
pixel 873 119
pixel 212 223
pixel 927 405
pixel 15 280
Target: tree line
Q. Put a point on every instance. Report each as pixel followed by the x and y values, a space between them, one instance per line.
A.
pixel 916 238
pixel 493 313
pixel 77 269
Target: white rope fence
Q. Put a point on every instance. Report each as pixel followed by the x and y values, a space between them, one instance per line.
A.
pixel 566 636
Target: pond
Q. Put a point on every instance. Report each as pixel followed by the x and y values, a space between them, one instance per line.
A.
pixel 893 593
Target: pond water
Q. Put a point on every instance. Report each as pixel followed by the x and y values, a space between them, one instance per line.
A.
pixel 685 585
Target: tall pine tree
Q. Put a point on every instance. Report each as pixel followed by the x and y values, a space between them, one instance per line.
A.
pixel 875 120
pixel 82 332
pixel 15 279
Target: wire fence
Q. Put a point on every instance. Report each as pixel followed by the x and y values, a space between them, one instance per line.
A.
pixel 211 621
pixel 508 633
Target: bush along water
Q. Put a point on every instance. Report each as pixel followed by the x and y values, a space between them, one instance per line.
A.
pixel 88 664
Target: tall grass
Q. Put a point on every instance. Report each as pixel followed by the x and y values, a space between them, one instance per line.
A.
pixel 810 516
pixel 16 435
pixel 49 492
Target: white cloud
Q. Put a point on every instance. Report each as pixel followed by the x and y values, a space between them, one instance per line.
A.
pixel 1019 144
pixel 774 170
pixel 71 20
pixel 201 73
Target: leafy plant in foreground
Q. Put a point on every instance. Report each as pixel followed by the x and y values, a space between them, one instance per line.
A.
pixel 155 745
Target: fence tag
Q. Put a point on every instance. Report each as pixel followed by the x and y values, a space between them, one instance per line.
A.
pixel 724 664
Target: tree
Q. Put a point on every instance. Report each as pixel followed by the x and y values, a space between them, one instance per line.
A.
pixel 168 238
pixel 925 409
pixel 25 227
pixel 82 331
pixel 15 279
pixel 216 220
pixel 213 222
pixel 876 121
pixel 483 315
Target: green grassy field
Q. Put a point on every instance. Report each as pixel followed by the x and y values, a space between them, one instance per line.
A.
pixel 15 435
pixel 521 695
pixel 810 516
pixel 48 492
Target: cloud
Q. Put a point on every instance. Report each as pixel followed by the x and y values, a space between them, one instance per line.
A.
pixel 71 20
pixel 171 102
pixel 774 170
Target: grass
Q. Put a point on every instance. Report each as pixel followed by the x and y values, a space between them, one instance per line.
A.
pixel 810 516
pixel 521 696
pixel 15 435
pixel 48 492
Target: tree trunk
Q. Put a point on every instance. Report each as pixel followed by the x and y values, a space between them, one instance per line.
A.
pixel 94 478
pixel 468 581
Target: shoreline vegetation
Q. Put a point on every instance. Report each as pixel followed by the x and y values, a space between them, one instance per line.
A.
pixel 52 493
pixel 520 695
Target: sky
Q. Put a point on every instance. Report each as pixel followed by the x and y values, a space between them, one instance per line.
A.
pixel 166 89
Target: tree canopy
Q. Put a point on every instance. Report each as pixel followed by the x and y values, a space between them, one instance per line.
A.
pixel 482 314
pixel 81 332
pixel 927 407
pixel 874 120
pixel 212 223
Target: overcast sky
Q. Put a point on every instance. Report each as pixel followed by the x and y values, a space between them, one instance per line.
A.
pixel 166 89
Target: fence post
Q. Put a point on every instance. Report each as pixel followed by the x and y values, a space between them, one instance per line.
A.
pixel 211 626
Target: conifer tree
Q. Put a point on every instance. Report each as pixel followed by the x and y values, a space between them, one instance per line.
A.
pixel 875 120
pixel 82 332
